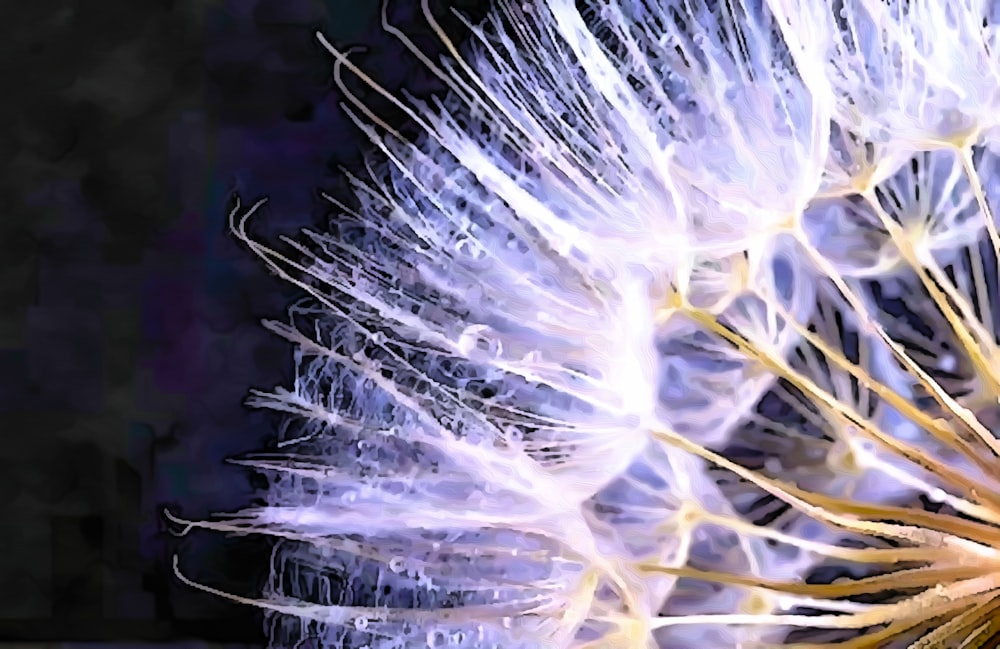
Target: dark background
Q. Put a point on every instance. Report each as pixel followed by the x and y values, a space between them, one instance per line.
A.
pixel 129 330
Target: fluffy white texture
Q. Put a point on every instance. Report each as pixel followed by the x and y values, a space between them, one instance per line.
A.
pixel 748 133
pixel 716 101
pixel 639 133
pixel 535 315
pixel 665 171
pixel 905 75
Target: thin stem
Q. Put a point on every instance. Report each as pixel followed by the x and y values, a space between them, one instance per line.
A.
pixel 850 416
pixel 964 324
pixel 871 325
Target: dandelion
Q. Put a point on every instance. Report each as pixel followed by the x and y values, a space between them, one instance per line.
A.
pixel 679 324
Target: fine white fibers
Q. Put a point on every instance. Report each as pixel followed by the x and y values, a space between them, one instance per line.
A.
pixel 674 304
pixel 916 73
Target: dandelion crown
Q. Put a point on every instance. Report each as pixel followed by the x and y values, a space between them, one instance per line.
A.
pixel 678 327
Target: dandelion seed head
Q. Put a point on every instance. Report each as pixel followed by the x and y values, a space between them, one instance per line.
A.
pixel 675 309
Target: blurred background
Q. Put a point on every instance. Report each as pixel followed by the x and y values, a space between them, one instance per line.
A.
pixel 129 316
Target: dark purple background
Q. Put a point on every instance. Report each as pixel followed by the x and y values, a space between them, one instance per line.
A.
pixel 129 317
